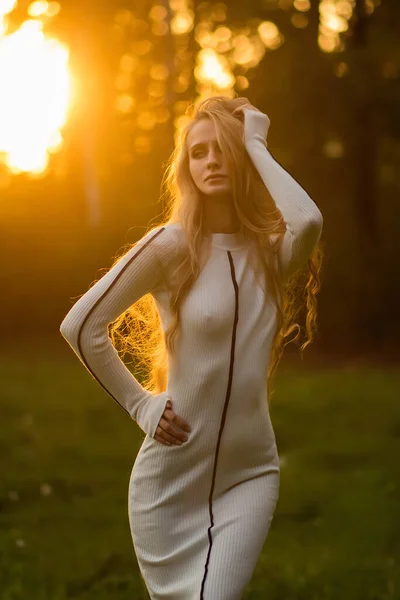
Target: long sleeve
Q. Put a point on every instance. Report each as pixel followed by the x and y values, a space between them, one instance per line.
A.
pixel 302 216
pixel 85 327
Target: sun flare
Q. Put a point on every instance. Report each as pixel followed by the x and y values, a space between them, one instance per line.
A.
pixel 36 89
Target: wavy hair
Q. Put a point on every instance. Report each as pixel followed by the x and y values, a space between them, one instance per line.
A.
pixel 138 332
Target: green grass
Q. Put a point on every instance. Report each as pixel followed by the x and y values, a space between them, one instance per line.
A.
pixel 336 530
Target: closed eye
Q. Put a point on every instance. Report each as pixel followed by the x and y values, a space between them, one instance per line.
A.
pixel 197 153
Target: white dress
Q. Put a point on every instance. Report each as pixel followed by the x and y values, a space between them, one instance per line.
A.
pixel 199 513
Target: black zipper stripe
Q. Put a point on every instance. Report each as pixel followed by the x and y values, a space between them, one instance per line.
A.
pixel 98 301
pixel 236 288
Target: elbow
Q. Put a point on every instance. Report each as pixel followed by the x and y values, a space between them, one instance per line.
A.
pixel 70 326
pixel 71 330
pixel 318 220
pixel 66 329
pixel 91 336
pixel 313 234
pixel 305 242
pixel 314 227
pixel 72 322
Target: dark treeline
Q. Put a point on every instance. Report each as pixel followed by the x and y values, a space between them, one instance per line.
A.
pixel 53 247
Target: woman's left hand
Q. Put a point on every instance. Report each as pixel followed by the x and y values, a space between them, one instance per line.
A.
pixel 252 127
pixel 240 109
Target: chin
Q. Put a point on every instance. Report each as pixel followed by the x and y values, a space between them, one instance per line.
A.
pixel 220 193
pixel 216 187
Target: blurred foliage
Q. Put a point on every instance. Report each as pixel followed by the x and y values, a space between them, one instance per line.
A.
pixel 335 125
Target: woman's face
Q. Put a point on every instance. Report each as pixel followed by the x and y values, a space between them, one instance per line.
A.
pixel 205 159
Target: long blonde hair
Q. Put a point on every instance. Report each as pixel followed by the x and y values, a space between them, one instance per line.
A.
pixel 138 332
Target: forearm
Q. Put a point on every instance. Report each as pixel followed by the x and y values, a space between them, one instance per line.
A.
pixel 93 346
pixel 85 328
pixel 302 216
pixel 298 210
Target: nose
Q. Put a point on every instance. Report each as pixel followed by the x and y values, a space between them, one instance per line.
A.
pixel 212 158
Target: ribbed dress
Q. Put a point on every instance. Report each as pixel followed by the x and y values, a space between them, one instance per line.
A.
pixel 199 513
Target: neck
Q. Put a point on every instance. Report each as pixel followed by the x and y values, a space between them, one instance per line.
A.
pixel 219 215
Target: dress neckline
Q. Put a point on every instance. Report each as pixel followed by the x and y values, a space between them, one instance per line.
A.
pixel 229 241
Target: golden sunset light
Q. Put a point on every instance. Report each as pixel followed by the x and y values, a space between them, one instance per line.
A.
pixel 36 92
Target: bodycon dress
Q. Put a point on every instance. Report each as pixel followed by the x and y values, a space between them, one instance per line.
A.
pixel 199 513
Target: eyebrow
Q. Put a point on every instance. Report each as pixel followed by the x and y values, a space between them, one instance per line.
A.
pixel 200 144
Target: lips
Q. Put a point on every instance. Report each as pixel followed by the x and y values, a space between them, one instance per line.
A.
pixel 214 177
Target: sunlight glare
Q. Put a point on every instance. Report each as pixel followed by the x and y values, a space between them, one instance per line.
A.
pixel 35 97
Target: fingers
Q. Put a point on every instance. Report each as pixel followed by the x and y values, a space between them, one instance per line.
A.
pixel 175 419
pixel 238 112
pixel 166 433
pixel 239 102
pixel 179 422
pixel 240 109
pixel 172 429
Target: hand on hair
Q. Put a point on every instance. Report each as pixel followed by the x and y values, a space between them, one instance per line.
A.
pixel 238 112
pixel 256 123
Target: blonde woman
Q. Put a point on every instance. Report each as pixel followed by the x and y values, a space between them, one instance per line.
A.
pixel 205 300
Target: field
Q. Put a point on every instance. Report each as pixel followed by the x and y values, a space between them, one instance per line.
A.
pixel 67 452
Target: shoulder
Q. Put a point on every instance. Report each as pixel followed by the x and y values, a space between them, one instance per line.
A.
pixel 168 245
pixel 166 236
pixel 165 240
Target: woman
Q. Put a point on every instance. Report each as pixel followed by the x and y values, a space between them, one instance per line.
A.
pixel 219 274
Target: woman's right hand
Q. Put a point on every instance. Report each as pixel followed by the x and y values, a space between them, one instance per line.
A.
pixel 171 428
